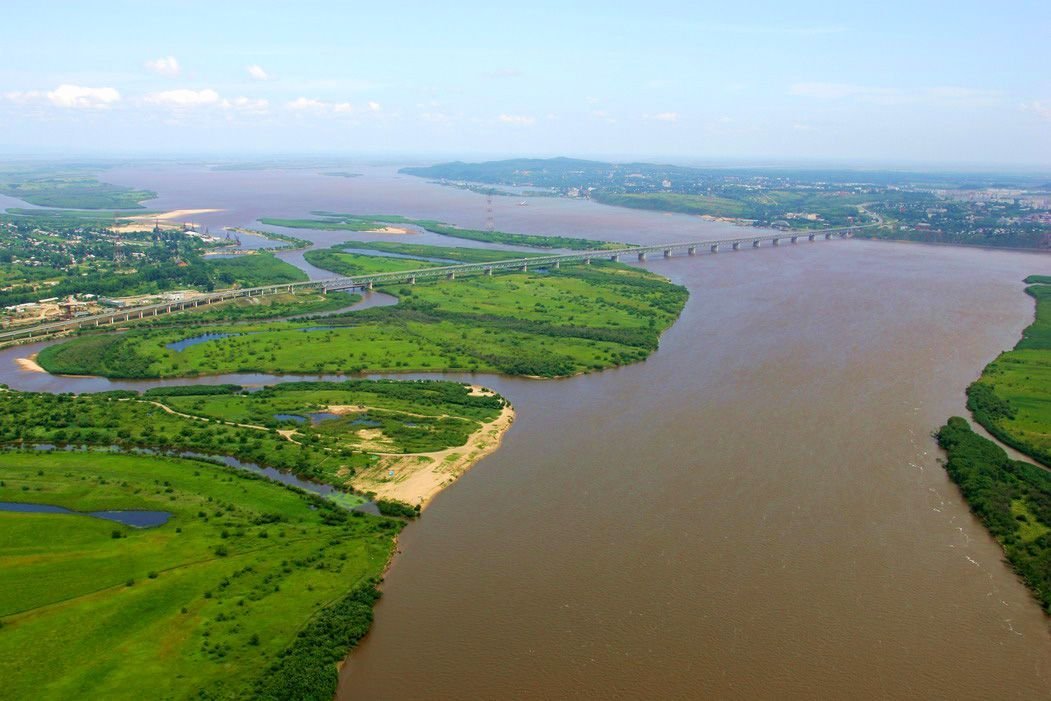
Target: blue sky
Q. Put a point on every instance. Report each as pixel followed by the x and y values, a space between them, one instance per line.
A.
pixel 895 82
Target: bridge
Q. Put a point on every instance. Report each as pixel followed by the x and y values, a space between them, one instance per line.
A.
pixel 450 272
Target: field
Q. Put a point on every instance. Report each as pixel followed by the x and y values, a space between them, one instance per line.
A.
pixel 1012 399
pixel 306 303
pixel 555 324
pixel 76 192
pixel 250 590
pixel 332 221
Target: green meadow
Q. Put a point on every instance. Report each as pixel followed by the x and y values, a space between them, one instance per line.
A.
pixel 251 590
pixel 558 323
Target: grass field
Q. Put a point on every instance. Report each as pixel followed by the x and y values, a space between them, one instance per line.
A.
pixel 206 606
pixel 554 324
pixel 1012 399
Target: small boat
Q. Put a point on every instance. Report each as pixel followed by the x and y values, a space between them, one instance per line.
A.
pixel 523 204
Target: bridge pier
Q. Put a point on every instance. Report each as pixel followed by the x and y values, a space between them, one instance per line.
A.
pixel 452 275
pixel 776 241
pixel 489 271
pixel 525 267
pixel 794 239
pixel 828 237
pixel 558 264
pixel 737 245
pixel 642 256
pixel 667 253
pixel 810 237
pixel 370 284
pixel 587 261
pixel 691 251
pixel 614 258
pixel 715 248
pixel 412 280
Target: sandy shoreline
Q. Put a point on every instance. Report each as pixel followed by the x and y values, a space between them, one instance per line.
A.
pixel 172 218
pixel 388 230
pixel 419 477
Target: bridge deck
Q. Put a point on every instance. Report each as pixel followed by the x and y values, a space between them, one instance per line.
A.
pixel 411 276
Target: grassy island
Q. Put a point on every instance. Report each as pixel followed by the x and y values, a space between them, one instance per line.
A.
pixel 542 323
pixel 333 221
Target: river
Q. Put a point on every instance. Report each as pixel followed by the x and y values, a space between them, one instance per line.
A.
pixel 757 511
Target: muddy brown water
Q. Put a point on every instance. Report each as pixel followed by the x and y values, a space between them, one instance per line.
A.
pixel 757 511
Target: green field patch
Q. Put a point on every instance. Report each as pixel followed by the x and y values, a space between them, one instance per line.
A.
pixel 555 324
pixel 209 603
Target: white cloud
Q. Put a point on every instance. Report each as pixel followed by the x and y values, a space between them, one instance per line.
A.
pixel 1041 108
pixel 183 97
pixel 306 103
pixel 342 108
pixel 246 104
pixel 519 120
pixel 666 116
pixel 503 73
pixel 257 72
pixel 82 97
pixel 945 94
pixel 166 65
pixel 374 106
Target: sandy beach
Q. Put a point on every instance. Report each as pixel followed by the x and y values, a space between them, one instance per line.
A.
pixel 418 477
pixel 29 364
pixel 397 230
pixel 171 219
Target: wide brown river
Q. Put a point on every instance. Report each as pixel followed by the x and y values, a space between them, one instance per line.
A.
pixel 757 511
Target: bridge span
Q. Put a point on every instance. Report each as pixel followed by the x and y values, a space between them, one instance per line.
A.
pixel 450 272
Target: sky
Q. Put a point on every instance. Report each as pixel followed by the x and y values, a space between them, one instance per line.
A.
pixel 905 83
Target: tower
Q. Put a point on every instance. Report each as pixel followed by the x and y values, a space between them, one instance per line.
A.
pixel 490 223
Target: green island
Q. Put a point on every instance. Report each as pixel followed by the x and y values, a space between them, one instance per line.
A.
pixel 332 221
pixel 1012 400
pixel 74 192
pixel 250 590
pixel 541 323
pixel 457 254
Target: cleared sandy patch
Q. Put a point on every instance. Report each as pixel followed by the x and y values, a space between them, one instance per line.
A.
pixel 397 230
pixel 418 477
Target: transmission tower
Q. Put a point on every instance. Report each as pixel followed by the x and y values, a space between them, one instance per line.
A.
pixel 490 223
pixel 118 244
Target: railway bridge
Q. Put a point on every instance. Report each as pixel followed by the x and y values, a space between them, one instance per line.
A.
pixel 451 272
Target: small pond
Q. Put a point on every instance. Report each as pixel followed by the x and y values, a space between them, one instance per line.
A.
pixel 187 342
pixel 136 519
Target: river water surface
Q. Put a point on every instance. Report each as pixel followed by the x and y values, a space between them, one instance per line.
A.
pixel 757 511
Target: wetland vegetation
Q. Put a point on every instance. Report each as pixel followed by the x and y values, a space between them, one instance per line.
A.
pixel 549 324
pixel 250 590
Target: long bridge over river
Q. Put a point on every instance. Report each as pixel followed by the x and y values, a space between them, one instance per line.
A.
pixel 451 272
